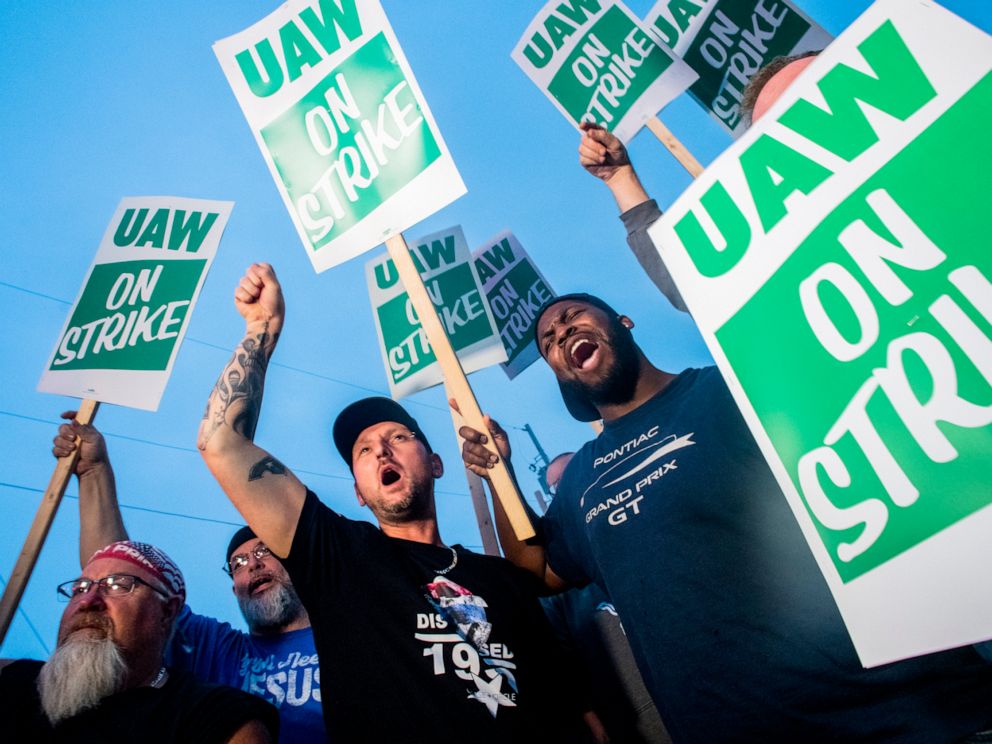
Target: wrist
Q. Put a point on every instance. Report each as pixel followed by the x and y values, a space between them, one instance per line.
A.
pixel 626 188
pixel 270 326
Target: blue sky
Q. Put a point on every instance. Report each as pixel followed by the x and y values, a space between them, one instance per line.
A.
pixel 112 99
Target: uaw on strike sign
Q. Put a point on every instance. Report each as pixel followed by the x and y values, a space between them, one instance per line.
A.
pixel 837 260
pixel 122 336
pixel 342 124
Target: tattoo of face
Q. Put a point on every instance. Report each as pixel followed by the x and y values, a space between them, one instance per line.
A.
pixel 267 464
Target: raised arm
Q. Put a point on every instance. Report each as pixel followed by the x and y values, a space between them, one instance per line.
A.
pixel 605 157
pixel 528 555
pixel 100 520
pixel 267 494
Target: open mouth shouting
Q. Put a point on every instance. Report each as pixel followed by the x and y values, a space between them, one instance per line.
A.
pixel 583 353
pixel 388 475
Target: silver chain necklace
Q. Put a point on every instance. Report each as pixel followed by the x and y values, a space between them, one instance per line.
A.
pixel 159 679
pixel 454 562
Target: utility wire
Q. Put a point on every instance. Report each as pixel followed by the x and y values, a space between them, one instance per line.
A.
pixel 227 350
pixel 192 450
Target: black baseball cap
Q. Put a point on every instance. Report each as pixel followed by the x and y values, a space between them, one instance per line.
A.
pixel 580 407
pixel 362 414
pixel 240 538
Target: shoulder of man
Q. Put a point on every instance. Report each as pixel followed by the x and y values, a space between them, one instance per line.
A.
pixel 213 712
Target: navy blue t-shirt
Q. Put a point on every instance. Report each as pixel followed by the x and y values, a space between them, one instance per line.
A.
pixel 674 512
pixel 282 669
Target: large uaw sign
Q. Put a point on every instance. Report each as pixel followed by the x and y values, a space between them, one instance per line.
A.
pixel 596 63
pixel 341 123
pixel 515 289
pixel 837 262
pixel 443 261
pixel 727 41
pixel 121 338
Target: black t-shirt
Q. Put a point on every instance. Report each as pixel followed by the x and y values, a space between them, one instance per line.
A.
pixel 183 711
pixel 408 655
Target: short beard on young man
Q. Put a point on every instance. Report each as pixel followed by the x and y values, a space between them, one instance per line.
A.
pixel 80 673
pixel 619 383
pixel 273 609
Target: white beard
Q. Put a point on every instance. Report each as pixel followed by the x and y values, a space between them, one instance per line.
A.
pixel 80 673
pixel 273 609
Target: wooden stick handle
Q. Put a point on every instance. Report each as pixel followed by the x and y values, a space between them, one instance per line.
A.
pixel 482 516
pixel 457 383
pixel 43 519
pixel 677 149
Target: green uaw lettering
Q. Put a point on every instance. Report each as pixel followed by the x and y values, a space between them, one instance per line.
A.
pixel 682 12
pixel 492 260
pixel 897 86
pixel 181 229
pixel 335 18
pixel 154 232
pixel 730 223
pixel 437 253
pixel 774 172
pixel 558 26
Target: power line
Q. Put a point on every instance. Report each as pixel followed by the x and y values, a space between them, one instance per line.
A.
pixel 193 450
pixel 228 350
pixel 24 614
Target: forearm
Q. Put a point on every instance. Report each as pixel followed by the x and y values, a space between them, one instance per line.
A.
pixel 637 220
pixel 235 402
pixel 262 489
pixel 100 521
pixel 626 188
pixel 528 555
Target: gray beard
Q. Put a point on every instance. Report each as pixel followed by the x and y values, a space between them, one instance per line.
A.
pixel 80 673
pixel 273 610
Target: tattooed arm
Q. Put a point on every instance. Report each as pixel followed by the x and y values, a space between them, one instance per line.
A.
pixel 264 490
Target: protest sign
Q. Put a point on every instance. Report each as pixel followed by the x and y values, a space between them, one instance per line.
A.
pixel 444 264
pixel 515 290
pixel 341 123
pixel 595 62
pixel 120 340
pixel 836 260
pixel 727 41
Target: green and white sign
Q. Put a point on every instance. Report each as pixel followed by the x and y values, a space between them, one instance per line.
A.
pixel 342 124
pixel 596 62
pixel 837 261
pixel 728 41
pixel 444 263
pixel 515 289
pixel 120 340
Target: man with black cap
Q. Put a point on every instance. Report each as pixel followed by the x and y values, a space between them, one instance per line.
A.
pixel 420 641
pixel 276 660
pixel 673 511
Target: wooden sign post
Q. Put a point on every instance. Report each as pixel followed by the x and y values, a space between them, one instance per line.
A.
pixel 678 150
pixel 456 382
pixel 42 523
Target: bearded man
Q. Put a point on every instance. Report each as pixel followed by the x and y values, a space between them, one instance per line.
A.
pixel 275 660
pixel 107 680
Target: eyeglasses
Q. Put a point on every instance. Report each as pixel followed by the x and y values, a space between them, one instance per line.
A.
pixel 240 560
pixel 115 585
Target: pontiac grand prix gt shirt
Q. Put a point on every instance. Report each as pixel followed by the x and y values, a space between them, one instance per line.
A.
pixel 674 512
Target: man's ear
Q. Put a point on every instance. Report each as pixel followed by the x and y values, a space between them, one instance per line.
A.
pixel 626 322
pixel 173 606
pixel 437 467
pixel 361 501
